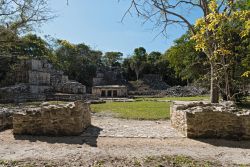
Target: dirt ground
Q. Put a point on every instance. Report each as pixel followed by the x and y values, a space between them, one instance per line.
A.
pixel 112 139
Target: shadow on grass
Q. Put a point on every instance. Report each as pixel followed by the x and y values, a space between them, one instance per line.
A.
pixel 89 137
pixel 243 144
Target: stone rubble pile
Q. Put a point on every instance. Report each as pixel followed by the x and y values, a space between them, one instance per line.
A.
pixel 152 85
pixel 155 82
pixel 38 80
pixel 184 91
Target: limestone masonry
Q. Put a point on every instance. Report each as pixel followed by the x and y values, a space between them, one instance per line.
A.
pixel 199 120
pixel 53 120
pixel 110 91
pixel 38 80
pixel 5 118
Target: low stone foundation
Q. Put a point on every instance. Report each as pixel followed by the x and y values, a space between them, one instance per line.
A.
pixel 5 119
pixel 199 120
pixel 53 120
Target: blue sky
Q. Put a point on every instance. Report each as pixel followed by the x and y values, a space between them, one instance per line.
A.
pixel 97 24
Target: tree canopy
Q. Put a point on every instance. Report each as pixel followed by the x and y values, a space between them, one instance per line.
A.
pixel 165 13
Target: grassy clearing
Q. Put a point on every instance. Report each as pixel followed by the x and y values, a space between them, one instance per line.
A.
pixel 143 110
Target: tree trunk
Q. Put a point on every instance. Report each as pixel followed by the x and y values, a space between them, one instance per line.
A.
pixel 227 86
pixel 137 74
pixel 214 90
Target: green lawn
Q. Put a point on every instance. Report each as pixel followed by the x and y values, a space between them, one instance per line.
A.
pixel 143 110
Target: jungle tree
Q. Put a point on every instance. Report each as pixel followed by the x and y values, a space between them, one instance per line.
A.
pixel 167 12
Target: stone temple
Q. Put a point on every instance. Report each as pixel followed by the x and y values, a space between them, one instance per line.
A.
pixel 109 84
pixel 110 91
pixel 37 80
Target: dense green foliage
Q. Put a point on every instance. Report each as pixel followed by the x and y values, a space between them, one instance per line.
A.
pixel 226 46
pixel 153 63
pixel 79 61
pixel 112 59
pixel 188 63
pixel 209 33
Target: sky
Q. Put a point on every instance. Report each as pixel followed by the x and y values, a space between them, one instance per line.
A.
pixel 97 23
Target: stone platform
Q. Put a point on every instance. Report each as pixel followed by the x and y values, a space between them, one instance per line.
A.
pixel 5 118
pixel 38 80
pixel 53 120
pixel 200 120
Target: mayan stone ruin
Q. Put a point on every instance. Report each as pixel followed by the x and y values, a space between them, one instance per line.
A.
pixel 110 76
pixel 110 91
pixel 5 118
pixel 201 120
pixel 109 83
pixel 53 120
pixel 37 80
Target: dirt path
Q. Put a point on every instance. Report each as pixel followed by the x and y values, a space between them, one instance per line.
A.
pixel 111 137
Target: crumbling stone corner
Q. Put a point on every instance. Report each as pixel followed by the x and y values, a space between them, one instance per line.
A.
pixel 208 121
pixel 53 120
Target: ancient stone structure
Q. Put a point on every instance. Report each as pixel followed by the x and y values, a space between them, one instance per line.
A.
pixel 111 76
pixel 5 118
pixel 184 91
pixel 53 120
pixel 152 77
pixel 110 91
pixel 38 80
pixel 199 120
pixel 150 84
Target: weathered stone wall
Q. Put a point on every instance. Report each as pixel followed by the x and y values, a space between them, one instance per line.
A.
pixel 178 120
pixel 110 76
pixel 39 78
pixel 65 97
pixel 55 120
pixel 206 121
pixel 36 80
pixel 5 118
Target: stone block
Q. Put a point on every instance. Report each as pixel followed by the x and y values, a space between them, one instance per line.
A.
pixel 53 120
pixel 39 78
pixel 207 121
pixel 5 118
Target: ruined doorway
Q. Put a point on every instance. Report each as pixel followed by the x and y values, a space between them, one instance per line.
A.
pixel 103 94
pixel 114 93
pixel 109 93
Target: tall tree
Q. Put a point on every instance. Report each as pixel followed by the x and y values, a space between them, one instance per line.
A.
pixel 138 61
pixel 23 15
pixel 165 13
pixel 188 63
pixel 18 17
pixel 230 34
pixel 79 61
pixel 112 59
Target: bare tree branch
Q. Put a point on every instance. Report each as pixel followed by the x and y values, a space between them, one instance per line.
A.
pixel 166 12
pixel 23 15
